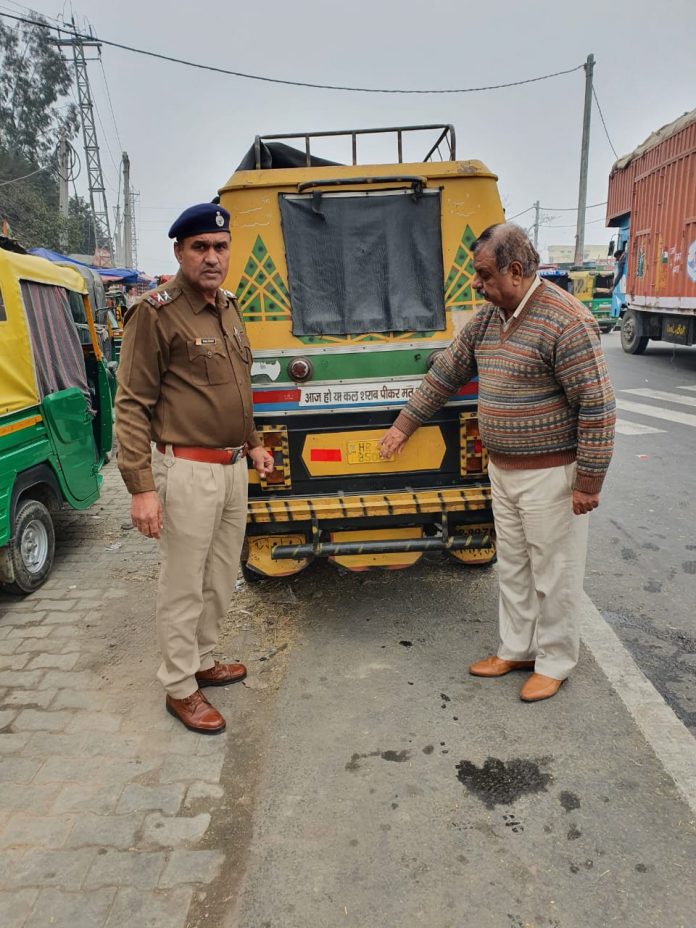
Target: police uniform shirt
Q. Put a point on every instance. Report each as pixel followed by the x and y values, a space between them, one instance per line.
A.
pixel 184 378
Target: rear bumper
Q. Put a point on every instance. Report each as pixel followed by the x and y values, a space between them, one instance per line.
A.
pixel 419 506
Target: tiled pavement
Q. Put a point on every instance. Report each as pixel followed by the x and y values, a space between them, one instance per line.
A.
pixel 103 809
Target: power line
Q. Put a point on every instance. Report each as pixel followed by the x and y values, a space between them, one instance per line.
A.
pixel 601 115
pixel 554 209
pixel 510 218
pixel 278 80
pixel 569 209
pixel 111 106
pixel 551 225
pixel 15 180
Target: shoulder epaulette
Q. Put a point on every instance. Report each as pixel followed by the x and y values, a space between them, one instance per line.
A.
pixel 159 298
pixel 229 294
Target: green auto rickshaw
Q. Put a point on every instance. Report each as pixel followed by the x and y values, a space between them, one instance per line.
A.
pixel 56 411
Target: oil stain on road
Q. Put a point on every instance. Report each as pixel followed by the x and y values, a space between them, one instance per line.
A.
pixel 500 782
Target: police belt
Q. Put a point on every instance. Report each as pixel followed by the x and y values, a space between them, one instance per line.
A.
pixel 205 455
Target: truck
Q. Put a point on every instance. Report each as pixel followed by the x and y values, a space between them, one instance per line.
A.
pixel 350 279
pixel 651 203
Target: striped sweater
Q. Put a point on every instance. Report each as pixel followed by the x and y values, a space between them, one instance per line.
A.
pixel 545 397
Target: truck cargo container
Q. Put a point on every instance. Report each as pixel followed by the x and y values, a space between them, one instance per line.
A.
pixel 652 204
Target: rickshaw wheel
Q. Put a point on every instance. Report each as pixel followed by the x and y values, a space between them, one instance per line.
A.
pixel 32 548
pixel 251 576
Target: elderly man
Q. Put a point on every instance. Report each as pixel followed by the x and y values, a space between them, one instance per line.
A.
pixel 546 415
pixel 185 385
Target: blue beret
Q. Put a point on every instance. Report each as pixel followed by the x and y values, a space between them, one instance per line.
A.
pixel 196 220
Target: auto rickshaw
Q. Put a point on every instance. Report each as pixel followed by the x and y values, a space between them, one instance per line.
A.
pixel 350 279
pixel 56 412
pixel 593 288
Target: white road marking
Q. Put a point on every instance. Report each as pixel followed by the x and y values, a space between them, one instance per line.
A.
pixel 670 739
pixel 689 387
pixel 624 427
pixel 658 412
pixel 663 395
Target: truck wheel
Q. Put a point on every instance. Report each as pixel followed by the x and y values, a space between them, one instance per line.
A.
pixel 32 548
pixel 631 341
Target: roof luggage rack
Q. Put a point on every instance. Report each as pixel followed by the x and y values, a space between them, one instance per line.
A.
pixel 446 136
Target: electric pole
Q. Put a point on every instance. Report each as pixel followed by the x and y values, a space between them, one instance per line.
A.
pixel 127 213
pixel 134 234
pixel 63 192
pixel 118 239
pixel 97 190
pixel 584 153
pixel 536 225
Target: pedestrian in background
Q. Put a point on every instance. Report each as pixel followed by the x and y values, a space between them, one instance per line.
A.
pixel 185 386
pixel 546 413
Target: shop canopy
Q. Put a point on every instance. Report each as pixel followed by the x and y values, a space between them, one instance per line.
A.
pixel 125 275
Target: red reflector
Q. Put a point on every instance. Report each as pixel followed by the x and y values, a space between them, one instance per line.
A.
pixel 325 454
pixel 478 446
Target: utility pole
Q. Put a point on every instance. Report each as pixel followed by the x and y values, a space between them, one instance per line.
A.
pixel 63 192
pixel 584 154
pixel 118 239
pixel 536 225
pixel 134 236
pixel 127 213
pixel 95 176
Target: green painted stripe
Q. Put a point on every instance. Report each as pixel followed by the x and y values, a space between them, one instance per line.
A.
pixel 377 365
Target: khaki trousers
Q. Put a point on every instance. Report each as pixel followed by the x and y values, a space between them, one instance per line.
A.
pixel 205 509
pixel 541 548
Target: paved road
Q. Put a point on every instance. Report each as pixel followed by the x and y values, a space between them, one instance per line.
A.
pixel 642 563
pixel 365 778
pixel 105 800
pixel 397 789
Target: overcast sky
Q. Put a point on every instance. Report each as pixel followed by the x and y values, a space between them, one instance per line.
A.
pixel 186 130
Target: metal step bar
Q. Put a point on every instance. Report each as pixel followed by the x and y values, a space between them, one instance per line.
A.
pixel 389 546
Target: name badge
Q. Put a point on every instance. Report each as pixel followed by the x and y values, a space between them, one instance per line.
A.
pixel 206 341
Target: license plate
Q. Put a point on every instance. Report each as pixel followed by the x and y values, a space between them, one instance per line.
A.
pixel 676 332
pixel 366 452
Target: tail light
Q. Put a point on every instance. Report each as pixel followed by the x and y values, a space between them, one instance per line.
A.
pixel 472 453
pixel 275 441
pixel 300 369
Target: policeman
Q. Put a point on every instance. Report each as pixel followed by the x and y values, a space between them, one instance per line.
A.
pixel 184 425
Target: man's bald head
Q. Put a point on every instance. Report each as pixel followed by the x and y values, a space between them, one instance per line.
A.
pixel 505 262
pixel 509 243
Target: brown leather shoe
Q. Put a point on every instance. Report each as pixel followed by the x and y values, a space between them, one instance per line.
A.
pixel 221 674
pixel 196 713
pixel 539 687
pixel 497 667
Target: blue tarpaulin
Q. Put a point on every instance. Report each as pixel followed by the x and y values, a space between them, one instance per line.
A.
pixel 126 275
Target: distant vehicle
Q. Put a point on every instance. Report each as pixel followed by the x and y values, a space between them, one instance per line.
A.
pixel 652 204
pixel 591 286
pixel 56 413
pixel 555 275
pixel 350 279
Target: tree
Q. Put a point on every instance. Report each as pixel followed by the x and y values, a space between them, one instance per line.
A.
pixel 30 207
pixel 34 78
pixel 34 82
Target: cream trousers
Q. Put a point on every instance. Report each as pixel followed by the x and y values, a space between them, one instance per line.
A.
pixel 205 509
pixel 541 548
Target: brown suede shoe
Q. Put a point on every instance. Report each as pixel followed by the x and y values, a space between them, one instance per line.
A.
pixel 539 687
pixel 497 667
pixel 196 713
pixel 221 674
